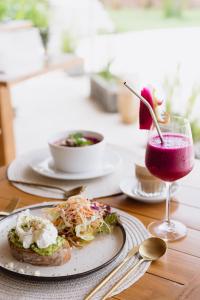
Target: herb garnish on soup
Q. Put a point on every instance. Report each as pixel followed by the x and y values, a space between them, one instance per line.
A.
pixel 78 139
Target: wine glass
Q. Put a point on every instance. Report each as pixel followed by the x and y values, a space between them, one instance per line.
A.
pixel 170 161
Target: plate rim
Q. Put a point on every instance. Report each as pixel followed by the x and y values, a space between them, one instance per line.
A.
pixel 99 173
pixel 63 277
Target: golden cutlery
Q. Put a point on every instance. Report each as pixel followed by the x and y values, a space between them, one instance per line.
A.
pixel 151 249
pixel 10 207
pixel 67 193
pixel 130 254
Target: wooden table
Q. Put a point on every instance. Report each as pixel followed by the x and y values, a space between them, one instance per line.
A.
pixel 176 275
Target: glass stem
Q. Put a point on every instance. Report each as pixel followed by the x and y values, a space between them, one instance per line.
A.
pixel 168 198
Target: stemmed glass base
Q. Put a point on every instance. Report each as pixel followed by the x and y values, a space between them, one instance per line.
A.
pixel 168 231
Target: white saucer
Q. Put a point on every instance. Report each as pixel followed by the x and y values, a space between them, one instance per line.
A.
pixel 128 187
pixel 42 163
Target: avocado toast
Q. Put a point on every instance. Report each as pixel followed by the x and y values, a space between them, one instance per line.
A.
pixel 35 240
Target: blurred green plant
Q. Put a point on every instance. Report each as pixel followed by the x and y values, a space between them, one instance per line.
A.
pixel 195 123
pixel 37 11
pixel 170 87
pixel 68 43
pixel 107 74
pixel 127 19
pixel 173 8
pixel 195 126
pixel 2 9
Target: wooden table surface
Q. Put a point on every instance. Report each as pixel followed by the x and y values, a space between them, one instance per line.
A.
pixel 174 276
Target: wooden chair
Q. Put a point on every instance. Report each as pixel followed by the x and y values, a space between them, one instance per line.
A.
pixel 7 140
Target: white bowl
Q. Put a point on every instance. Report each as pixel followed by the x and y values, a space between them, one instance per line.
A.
pixel 77 159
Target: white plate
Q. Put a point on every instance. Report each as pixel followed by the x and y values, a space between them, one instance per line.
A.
pixel 96 255
pixel 14 288
pixel 42 163
pixel 128 187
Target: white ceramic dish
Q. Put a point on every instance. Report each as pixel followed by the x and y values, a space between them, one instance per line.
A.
pixel 84 261
pixel 77 159
pixel 128 187
pixel 41 163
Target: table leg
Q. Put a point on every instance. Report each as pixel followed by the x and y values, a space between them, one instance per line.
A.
pixel 7 142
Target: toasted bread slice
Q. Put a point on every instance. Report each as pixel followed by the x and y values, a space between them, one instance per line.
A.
pixel 59 257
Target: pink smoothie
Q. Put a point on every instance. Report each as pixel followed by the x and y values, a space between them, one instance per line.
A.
pixel 171 160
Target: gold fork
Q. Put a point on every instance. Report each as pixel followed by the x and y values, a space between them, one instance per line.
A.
pixel 10 207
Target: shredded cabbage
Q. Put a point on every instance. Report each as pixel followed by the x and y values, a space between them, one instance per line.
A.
pixel 79 220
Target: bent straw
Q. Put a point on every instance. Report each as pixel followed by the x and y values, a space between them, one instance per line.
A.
pixel 150 110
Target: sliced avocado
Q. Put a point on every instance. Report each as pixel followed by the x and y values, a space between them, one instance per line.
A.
pixel 14 239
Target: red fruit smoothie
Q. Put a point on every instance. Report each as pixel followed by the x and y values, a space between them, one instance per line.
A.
pixel 171 160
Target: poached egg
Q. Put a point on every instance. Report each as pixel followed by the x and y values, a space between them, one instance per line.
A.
pixel 32 229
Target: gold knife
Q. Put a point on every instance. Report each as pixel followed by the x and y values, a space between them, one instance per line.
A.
pixel 130 254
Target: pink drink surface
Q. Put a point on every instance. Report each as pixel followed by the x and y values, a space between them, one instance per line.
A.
pixel 171 160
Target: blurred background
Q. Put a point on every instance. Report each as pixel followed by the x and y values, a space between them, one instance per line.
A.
pixel 73 57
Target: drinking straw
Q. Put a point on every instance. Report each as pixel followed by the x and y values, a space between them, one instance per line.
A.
pixel 150 110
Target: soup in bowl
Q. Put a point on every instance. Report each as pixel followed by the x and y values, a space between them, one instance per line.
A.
pixel 77 151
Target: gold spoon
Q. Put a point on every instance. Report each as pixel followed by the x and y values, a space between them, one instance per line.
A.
pixel 151 249
pixel 66 193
